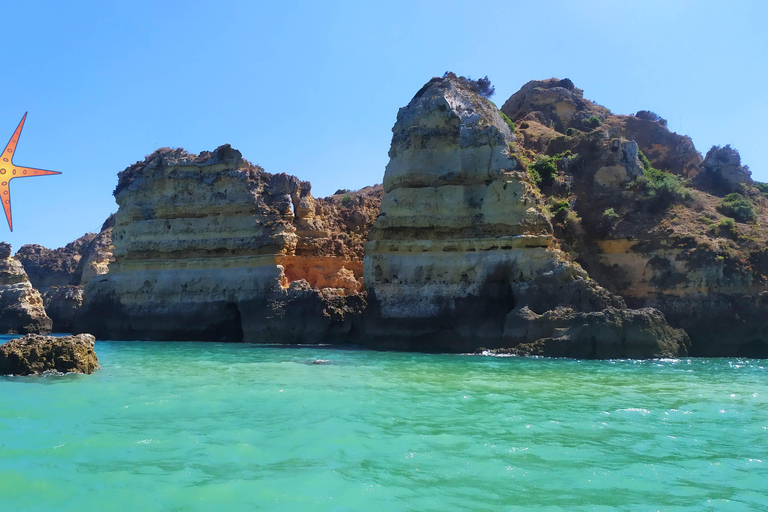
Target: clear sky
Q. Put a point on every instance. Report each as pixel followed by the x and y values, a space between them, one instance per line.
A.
pixel 313 88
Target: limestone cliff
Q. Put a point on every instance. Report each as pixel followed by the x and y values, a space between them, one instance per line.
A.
pixel 60 274
pixel 211 247
pixel 53 267
pixel 97 255
pixel 651 220
pixel 21 307
pixel 462 254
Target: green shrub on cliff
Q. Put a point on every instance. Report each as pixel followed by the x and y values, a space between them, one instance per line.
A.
pixel 762 187
pixel 592 122
pixel 481 86
pixel 610 214
pixel 559 208
pixel 644 160
pixel 545 169
pixel 507 120
pixel 738 207
pixel 659 189
pixel 728 228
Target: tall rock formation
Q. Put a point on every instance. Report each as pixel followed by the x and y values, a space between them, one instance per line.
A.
pixel 463 256
pixel 646 233
pixel 21 307
pixel 211 247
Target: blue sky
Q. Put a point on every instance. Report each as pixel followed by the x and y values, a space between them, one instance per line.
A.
pixel 313 88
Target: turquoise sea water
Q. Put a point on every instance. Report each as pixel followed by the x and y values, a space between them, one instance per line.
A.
pixel 195 426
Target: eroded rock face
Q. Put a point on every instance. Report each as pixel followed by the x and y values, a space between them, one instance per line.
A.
pixel 462 246
pixel 53 267
pixel 21 307
pixel 666 149
pixel 62 304
pixel 721 172
pixel 202 244
pixel 556 103
pixel 97 255
pixel 548 109
pixel 659 247
pixel 606 334
pixel 34 354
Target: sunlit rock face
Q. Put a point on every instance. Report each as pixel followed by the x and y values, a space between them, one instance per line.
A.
pixel 200 247
pixel 21 307
pixel 462 245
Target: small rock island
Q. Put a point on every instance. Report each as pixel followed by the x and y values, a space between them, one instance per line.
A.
pixel 35 354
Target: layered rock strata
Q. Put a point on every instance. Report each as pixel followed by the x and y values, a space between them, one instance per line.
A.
pixel 462 254
pixel 211 247
pixel 21 307
pixel 34 354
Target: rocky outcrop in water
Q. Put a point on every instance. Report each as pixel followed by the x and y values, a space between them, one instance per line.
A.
pixel 34 354
pixel 21 307
pixel 463 255
pixel 211 247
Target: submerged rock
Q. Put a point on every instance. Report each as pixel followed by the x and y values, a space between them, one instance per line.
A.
pixel 35 354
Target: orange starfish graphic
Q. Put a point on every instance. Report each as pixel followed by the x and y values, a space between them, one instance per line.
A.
pixel 8 171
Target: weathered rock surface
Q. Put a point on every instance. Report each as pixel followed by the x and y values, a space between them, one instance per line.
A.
pixel 35 354
pixel 22 307
pixel 660 244
pixel 59 274
pixel 554 103
pixel 722 172
pixel 205 244
pixel 548 109
pixel 462 246
pixel 62 304
pixel 97 255
pixel 53 267
pixel 607 334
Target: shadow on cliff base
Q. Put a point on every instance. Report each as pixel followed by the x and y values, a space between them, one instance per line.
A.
pixel 463 325
pixel 213 321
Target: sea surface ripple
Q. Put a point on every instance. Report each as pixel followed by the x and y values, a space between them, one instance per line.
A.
pixel 196 426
